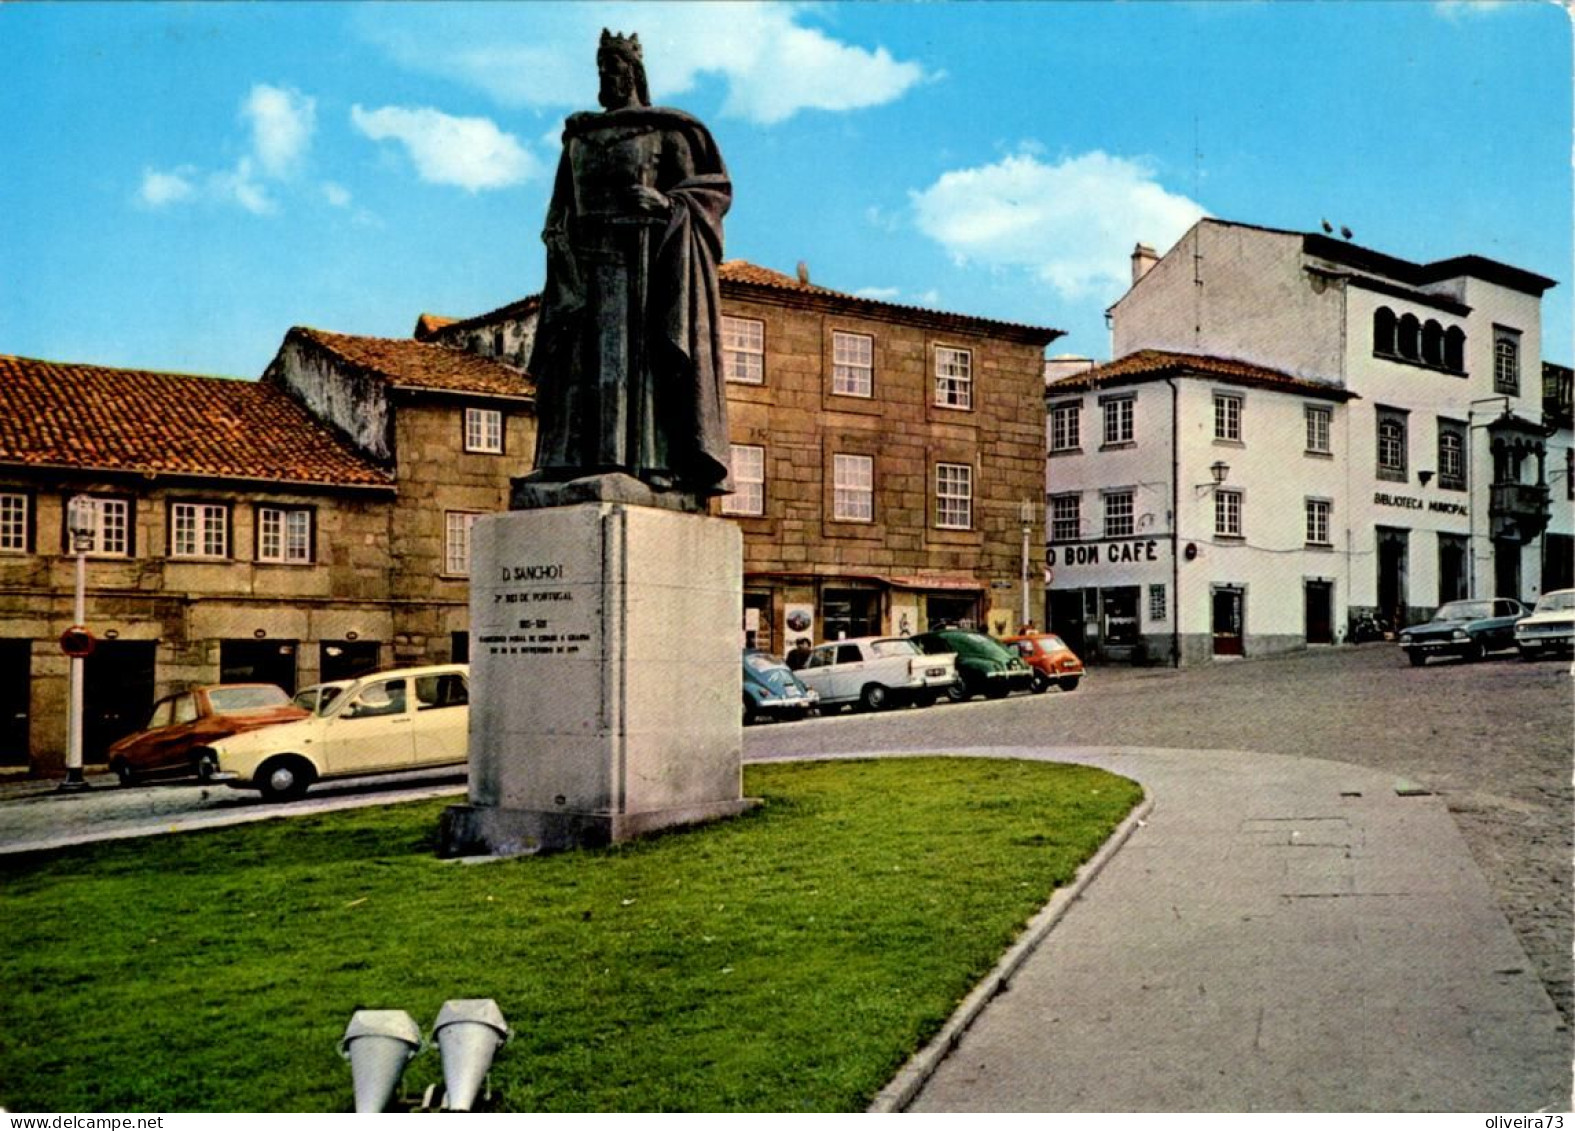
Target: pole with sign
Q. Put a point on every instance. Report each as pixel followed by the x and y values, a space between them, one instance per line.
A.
pixel 76 642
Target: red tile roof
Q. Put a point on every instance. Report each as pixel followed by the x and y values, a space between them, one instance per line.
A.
pixel 55 414
pixel 1154 365
pixel 409 364
pixel 429 324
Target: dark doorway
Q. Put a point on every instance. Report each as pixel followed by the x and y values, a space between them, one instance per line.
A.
pixel 258 661
pixel 1558 562
pixel 1119 625
pixel 1506 570
pixel 117 693
pixel 459 647
pixel 1319 602
pixel 1227 618
pixel 846 613
pixel 1066 618
pixel 346 659
pixel 16 686
pixel 1392 565
pixel 940 609
pixel 1454 568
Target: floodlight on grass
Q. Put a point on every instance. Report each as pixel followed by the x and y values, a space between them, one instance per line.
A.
pixel 468 1032
pixel 378 1043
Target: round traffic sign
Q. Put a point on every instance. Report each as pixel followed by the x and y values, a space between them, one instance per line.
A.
pixel 76 641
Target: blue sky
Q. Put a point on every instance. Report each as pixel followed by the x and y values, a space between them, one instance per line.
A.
pixel 181 183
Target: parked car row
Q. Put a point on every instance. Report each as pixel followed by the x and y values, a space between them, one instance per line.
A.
pixel 1471 629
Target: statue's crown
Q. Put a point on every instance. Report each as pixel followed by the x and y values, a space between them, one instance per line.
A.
pixel 628 47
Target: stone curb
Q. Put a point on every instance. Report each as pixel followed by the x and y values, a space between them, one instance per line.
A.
pixel 904 1086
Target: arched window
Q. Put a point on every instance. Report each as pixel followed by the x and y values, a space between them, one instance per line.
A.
pixel 1433 343
pixel 1410 335
pixel 1455 349
pixel 1383 330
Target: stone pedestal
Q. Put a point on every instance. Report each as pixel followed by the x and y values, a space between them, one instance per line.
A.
pixel 605 679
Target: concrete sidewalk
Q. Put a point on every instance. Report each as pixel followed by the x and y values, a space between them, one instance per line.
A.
pixel 1281 934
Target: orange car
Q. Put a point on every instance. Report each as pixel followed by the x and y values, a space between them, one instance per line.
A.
pixel 1049 657
pixel 182 725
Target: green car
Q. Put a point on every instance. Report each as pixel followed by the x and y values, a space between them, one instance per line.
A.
pixel 1467 629
pixel 984 666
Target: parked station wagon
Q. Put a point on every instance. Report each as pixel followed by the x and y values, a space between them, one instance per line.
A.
pixel 386 721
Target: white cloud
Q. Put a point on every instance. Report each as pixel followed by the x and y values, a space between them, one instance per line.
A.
pixel 1071 224
pixel 773 64
pixel 1457 10
pixel 159 189
pixel 241 186
pixel 469 152
pixel 881 294
pixel 336 194
pixel 282 122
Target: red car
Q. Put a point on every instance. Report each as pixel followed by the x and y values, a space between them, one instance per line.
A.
pixel 182 724
pixel 1052 661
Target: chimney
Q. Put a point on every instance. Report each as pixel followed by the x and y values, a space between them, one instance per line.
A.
pixel 803 272
pixel 1143 259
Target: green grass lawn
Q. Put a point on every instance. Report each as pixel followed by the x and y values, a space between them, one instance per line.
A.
pixel 791 959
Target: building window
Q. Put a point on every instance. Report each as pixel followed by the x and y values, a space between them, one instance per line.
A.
pixel 1066 518
pixel 1409 342
pixel 1158 604
pixel 1506 360
pixel 1451 455
pixel 1391 444
pixel 199 530
pixel 284 535
pixel 852 364
pixel 1384 331
pixel 13 523
pixel 111 537
pixel 484 430
pixel 744 350
pixel 1227 417
pixel 1227 514
pixel 953 496
pixel 953 378
pixel 853 486
pixel 1118 514
pixel 456 542
pixel 1065 427
pixel 1118 421
pixel 1319 419
pixel 1319 512
pixel 1455 349
pixel 749 481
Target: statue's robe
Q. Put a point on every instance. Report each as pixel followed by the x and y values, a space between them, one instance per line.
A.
pixel 627 356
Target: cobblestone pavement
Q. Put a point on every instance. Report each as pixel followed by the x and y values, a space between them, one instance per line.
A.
pixel 1493 739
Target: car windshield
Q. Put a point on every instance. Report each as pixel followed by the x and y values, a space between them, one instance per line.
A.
pixel 762 661
pixel 973 644
pixel 238 700
pixel 1556 602
pixel 1465 610
pixel 316 699
pixel 1053 644
pixel 894 647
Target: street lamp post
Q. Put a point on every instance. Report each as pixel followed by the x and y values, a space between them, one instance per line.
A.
pixel 1025 513
pixel 81 520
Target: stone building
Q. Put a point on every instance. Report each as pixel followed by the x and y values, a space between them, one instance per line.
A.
pixel 315 523
pixel 1320 436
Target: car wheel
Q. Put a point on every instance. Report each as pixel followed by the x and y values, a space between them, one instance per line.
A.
pixel 1071 682
pixel 997 691
pixel 1417 658
pixel 924 699
pixel 958 692
pixel 123 773
pixel 1472 653
pixel 1528 653
pixel 1040 683
pixel 750 718
pixel 204 767
pixel 874 697
pixel 284 778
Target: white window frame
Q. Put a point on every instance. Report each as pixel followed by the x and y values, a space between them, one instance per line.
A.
pixel 1120 427
pixel 743 350
pixel 1394 444
pixel 1227 417
pixel 1066 426
pixel 284 535
pixel 111 536
pixel 953 377
pixel 1227 513
pixel 953 496
pixel 14 515
pixel 1452 478
pixel 484 430
pixel 1066 517
pixel 1158 602
pixel 748 464
pixel 1120 520
pixel 456 542
pixel 1320 522
pixel 199 531
pixel 1320 429
pixel 1506 361
pixel 853 488
pixel 852 364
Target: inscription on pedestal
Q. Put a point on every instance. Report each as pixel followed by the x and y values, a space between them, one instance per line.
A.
pixel 550 622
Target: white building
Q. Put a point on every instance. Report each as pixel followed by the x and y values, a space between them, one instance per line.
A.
pixel 1299 434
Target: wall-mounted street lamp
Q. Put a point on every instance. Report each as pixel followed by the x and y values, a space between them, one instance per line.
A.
pixel 1424 477
pixel 82 522
pixel 1219 471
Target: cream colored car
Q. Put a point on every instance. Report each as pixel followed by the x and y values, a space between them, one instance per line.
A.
pixel 386 721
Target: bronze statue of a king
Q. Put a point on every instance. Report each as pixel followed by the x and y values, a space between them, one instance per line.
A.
pixel 627 357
